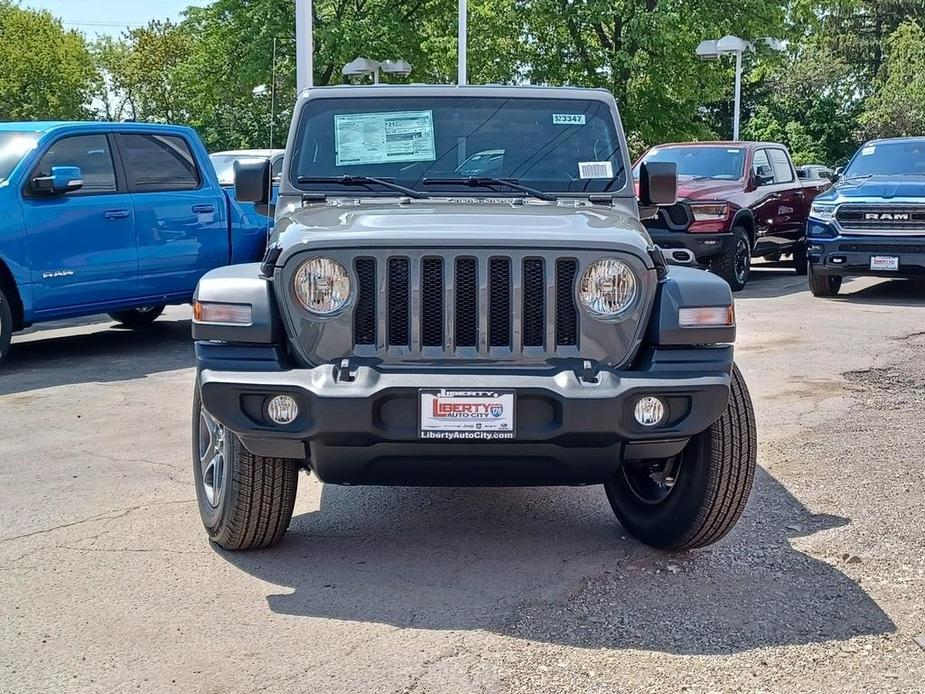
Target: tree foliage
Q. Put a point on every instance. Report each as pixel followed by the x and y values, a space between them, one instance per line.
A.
pixel 46 72
pixel 897 106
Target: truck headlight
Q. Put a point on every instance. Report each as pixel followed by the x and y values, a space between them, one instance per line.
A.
pixel 607 288
pixel 822 212
pixel 709 212
pixel 322 286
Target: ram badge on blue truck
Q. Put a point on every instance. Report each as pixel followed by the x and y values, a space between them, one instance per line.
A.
pixel 117 218
pixel 873 221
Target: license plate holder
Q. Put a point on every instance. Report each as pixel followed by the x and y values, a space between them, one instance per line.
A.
pixel 466 414
pixel 884 262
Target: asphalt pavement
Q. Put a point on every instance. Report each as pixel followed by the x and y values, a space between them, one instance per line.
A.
pixel 108 582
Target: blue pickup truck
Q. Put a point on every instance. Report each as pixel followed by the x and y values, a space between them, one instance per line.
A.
pixel 872 222
pixel 117 218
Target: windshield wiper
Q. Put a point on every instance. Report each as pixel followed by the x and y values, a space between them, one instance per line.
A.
pixel 487 182
pixel 362 181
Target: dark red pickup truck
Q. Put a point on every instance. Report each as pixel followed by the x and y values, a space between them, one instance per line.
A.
pixel 737 200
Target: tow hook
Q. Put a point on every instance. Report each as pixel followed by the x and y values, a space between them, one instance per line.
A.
pixel 587 372
pixel 345 372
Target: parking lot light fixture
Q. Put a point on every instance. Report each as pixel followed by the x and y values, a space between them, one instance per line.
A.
pixel 363 67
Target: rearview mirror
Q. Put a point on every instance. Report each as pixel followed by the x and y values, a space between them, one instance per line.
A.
pixel 252 181
pixel 658 183
pixel 63 179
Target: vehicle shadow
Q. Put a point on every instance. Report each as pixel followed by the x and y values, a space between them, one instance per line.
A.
pixel 769 280
pixel 45 359
pixel 887 292
pixel 553 565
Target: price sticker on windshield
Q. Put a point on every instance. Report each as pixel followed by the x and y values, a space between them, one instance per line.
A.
pixel 595 169
pixel 568 119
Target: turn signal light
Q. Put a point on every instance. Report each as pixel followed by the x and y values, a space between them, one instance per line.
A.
pixel 707 317
pixel 214 312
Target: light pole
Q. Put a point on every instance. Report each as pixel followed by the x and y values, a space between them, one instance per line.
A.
pixel 363 67
pixel 305 45
pixel 728 45
pixel 462 39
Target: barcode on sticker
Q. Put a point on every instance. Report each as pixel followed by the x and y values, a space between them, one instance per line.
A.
pixel 595 169
pixel 568 119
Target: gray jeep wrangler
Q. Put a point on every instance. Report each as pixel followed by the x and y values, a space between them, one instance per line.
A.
pixel 458 291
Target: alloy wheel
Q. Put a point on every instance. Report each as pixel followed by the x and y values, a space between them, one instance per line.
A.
pixel 213 457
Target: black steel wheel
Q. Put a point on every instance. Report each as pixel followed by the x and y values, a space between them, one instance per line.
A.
pixel 736 266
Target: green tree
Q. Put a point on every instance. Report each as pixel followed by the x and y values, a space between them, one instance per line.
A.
pixel 897 107
pixel 46 72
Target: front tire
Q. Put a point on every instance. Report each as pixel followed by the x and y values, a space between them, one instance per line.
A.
pixel 245 500
pixel 735 267
pixel 137 317
pixel 6 325
pixel 695 498
pixel 799 258
pixel 823 285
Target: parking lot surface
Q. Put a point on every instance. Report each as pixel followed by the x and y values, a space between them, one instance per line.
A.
pixel 109 583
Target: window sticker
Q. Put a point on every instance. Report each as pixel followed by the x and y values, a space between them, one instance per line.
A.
pixel 867 151
pixel 568 119
pixel 595 169
pixel 382 138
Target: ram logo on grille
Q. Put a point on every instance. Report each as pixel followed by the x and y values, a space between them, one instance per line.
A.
pixel 888 216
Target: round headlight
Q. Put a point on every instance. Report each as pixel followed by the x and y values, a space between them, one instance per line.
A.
pixel 322 286
pixel 607 288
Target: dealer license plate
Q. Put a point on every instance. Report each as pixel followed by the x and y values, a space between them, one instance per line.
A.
pixel 884 262
pixel 466 414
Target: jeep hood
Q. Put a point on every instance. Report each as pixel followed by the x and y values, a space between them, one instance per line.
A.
pixel 877 187
pixel 499 223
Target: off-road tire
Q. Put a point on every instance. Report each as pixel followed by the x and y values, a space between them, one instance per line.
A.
pixel 6 325
pixel 137 317
pixel 725 265
pixel 823 285
pixel 799 261
pixel 258 494
pixel 712 485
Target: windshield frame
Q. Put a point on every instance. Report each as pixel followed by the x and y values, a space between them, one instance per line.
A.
pixel 746 160
pixel 846 173
pixel 620 186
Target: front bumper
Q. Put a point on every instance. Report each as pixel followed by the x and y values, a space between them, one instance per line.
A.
pixel 360 426
pixel 703 246
pixel 850 255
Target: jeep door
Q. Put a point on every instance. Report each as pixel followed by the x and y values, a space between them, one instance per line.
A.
pixel 81 244
pixel 181 220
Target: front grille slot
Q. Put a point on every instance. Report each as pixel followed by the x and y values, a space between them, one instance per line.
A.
pixel 881 248
pixel 399 303
pixel 882 218
pixel 364 316
pixel 460 306
pixel 499 302
pixel 566 311
pixel 432 302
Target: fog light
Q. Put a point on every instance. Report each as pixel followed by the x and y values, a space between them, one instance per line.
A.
pixel 283 409
pixel 649 411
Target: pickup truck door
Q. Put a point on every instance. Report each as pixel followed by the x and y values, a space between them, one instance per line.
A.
pixel 81 244
pixel 181 220
pixel 779 209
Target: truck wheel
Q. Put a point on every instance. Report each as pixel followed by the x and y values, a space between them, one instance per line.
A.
pixel 6 325
pixel 695 498
pixel 137 317
pixel 735 267
pixel 823 285
pixel 245 500
pixel 799 258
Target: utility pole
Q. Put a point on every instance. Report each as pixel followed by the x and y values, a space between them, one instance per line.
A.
pixel 462 73
pixel 738 97
pixel 305 45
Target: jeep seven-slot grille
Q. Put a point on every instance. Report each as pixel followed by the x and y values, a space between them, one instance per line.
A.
pixel 464 303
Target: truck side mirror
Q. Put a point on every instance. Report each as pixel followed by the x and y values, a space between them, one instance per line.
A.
pixel 764 175
pixel 63 179
pixel 835 175
pixel 658 183
pixel 252 181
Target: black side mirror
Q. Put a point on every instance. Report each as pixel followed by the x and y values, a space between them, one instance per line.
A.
pixel 252 181
pixel 764 175
pixel 658 183
pixel 63 179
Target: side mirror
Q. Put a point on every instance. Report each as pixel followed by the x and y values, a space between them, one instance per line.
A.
pixel 252 181
pixel 764 175
pixel 63 179
pixel 836 175
pixel 658 183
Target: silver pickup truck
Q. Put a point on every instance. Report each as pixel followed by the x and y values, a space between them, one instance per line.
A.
pixel 458 291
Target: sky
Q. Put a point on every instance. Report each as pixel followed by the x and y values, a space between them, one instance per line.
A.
pixel 108 17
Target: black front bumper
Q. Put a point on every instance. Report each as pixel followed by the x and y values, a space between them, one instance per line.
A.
pixel 569 429
pixel 703 246
pixel 851 255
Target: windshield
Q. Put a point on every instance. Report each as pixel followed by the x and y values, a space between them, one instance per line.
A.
pixel 889 159
pixel 722 163
pixel 13 147
pixel 551 145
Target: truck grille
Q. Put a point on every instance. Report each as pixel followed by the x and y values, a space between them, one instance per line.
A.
pixel 881 219
pixel 465 306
